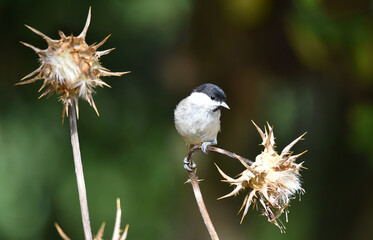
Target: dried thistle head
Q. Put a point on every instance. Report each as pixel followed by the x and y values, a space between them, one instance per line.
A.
pixel 271 181
pixel 70 67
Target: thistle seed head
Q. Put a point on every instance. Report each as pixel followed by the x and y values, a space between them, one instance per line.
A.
pixel 70 67
pixel 271 181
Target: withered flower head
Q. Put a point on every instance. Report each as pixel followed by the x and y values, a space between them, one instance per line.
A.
pixel 271 181
pixel 70 67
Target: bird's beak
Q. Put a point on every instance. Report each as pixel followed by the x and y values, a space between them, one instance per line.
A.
pixel 224 104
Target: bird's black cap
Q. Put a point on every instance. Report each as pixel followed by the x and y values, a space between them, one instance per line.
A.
pixel 213 91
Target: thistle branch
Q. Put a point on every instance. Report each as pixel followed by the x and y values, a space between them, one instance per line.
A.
pixel 62 233
pixel 117 230
pixel 218 150
pixel 79 173
pixel 201 205
pixel 197 191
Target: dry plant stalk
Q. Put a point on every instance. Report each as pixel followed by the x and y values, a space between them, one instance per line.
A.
pixel 193 179
pixel 79 173
pixel 272 180
pixel 117 235
pixel 61 232
pixel 117 231
pixel 71 68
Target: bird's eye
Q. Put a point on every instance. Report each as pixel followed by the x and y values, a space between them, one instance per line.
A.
pixel 212 97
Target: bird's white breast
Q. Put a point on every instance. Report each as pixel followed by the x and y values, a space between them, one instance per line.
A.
pixel 195 119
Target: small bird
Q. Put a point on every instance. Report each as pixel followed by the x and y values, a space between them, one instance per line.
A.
pixel 197 117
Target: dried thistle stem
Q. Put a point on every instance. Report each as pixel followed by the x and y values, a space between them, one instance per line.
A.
pixel 62 233
pixel 201 205
pixel 229 154
pixel 197 191
pixel 117 230
pixel 198 195
pixel 116 233
pixel 221 151
pixel 79 173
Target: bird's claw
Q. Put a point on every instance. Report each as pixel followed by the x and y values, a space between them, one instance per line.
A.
pixel 205 145
pixel 189 165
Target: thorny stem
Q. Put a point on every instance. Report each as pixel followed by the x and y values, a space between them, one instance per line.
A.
pixel 229 154
pixel 197 191
pixel 218 150
pixel 201 205
pixel 62 234
pixel 117 230
pixel 79 173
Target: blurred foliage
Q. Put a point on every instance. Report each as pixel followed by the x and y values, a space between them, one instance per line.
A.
pixel 303 65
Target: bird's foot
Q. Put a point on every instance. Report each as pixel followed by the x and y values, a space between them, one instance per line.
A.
pixel 205 145
pixel 189 165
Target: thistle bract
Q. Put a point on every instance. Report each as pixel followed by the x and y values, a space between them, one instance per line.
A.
pixel 70 67
pixel 271 181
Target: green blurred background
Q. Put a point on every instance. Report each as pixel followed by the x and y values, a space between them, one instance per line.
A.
pixel 302 65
